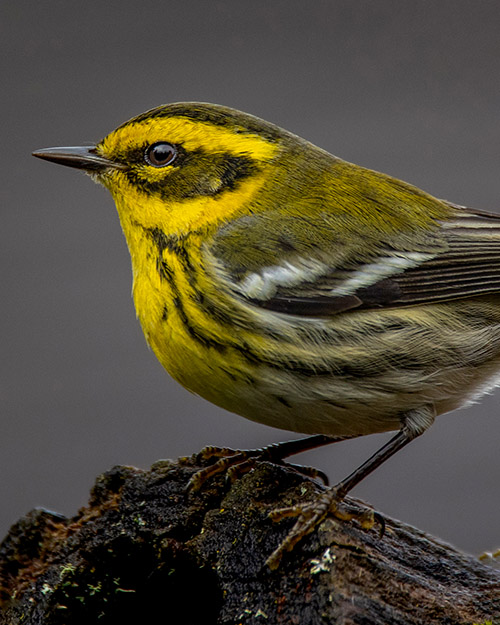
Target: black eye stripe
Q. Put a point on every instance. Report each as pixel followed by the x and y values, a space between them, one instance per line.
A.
pixel 160 154
pixel 193 175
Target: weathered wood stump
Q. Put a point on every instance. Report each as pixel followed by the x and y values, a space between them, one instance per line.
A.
pixel 145 547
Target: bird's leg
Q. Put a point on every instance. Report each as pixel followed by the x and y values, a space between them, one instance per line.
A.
pixel 311 514
pixel 237 462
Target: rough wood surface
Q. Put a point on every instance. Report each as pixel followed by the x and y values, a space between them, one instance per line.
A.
pixel 143 547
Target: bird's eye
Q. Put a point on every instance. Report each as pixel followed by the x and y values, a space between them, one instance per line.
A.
pixel 160 154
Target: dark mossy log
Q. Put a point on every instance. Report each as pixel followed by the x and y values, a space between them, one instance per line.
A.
pixel 146 551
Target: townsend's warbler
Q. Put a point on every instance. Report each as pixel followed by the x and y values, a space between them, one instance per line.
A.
pixel 296 289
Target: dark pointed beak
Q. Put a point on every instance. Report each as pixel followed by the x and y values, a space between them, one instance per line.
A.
pixel 82 157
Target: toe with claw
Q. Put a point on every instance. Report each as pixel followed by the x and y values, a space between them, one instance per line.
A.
pixel 236 463
pixel 310 515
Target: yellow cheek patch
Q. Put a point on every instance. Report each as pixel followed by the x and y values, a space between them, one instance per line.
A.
pixel 182 217
pixel 193 135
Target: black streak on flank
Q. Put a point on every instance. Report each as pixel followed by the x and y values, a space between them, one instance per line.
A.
pixel 167 274
pixel 360 370
pixel 259 359
pixel 196 334
pixel 240 346
pixel 324 369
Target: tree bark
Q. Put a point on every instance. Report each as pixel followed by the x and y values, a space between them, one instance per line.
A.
pixel 146 551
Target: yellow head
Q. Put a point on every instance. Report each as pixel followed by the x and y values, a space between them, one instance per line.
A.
pixel 178 166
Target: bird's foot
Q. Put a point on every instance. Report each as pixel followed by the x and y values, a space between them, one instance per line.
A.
pixel 310 515
pixel 235 463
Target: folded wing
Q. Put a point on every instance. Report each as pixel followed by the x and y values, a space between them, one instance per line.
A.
pixel 466 264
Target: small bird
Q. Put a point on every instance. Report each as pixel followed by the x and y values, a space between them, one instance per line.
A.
pixel 296 289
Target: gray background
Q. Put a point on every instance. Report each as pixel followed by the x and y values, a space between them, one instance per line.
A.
pixel 408 88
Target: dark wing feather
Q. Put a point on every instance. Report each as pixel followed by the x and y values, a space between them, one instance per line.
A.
pixel 468 266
